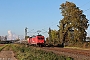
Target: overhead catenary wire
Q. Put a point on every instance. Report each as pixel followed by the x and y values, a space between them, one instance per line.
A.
pixel 85 4
pixel 86 9
pixel 45 27
pixel 58 21
pixel 82 6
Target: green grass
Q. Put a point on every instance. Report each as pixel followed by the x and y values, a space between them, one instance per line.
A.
pixel 2 47
pixel 31 53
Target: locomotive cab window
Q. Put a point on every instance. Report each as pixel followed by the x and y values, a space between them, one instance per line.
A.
pixel 40 38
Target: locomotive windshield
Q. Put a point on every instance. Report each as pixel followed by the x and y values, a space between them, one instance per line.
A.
pixel 40 38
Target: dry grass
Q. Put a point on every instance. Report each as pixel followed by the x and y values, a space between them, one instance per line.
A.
pixel 78 48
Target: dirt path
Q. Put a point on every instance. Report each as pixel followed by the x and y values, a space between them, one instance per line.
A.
pixel 74 53
pixel 7 54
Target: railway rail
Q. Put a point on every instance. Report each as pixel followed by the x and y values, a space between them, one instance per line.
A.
pixel 77 54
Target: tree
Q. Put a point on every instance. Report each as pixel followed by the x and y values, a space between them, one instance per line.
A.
pixel 72 28
pixel 53 36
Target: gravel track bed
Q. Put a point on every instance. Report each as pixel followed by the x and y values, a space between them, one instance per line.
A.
pixel 77 54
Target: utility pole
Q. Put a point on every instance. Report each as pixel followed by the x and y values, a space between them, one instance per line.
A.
pixel 50 38
pixel 26 32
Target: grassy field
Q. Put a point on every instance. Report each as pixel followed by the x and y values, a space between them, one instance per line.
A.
pixel 32 53
pixel 2 46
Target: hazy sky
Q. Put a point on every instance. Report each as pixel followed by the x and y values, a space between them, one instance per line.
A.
pixel 15 15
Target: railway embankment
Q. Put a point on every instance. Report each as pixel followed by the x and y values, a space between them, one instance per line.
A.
pixel 21 52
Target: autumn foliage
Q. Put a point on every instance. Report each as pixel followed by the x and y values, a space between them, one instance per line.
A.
pixel 73 25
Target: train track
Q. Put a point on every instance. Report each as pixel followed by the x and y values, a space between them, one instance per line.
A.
pixel 77 54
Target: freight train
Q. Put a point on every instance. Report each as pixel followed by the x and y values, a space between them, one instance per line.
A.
pixel 38 40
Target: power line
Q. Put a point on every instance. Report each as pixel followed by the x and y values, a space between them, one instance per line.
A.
pixel 58 21
pixel 81 6
pixel 85 4
pixel 86 10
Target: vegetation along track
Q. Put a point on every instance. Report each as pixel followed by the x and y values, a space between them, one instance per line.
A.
pixel 2 46
pixel 77 54
pixel 35 53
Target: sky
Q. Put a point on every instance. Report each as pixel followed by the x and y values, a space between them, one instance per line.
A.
pixel 36 15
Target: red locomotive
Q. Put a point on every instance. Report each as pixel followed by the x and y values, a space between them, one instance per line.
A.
pixel 36 40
